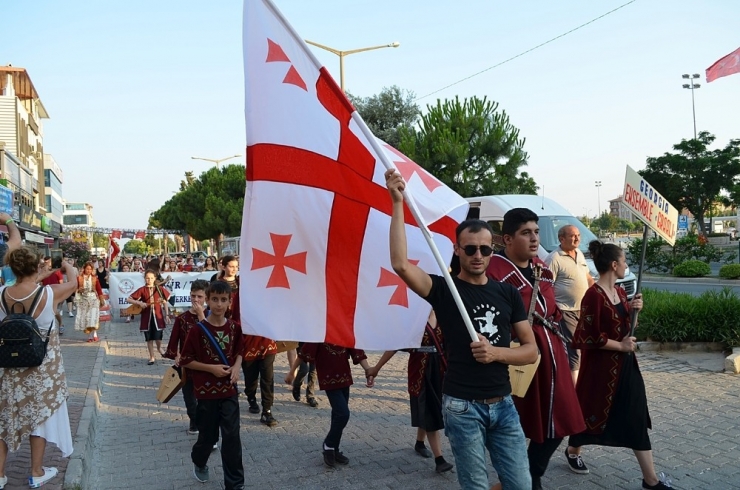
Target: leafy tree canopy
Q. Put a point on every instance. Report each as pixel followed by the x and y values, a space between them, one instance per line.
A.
pixel 471 146
pixel 136 247
pixel 385 113
pixel 695 177
pixel 79 251
pixel 207 206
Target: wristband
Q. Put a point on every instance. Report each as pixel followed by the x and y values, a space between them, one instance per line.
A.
pixel 10 220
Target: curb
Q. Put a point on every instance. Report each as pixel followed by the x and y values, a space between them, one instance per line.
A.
pixel 693 280
pixel 648 346
pixel 80 462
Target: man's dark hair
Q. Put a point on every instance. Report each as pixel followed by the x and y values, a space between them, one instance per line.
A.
pixel 515 218
pixel 199 285
pixel 217 287
pixel 47 258
pixel 473 226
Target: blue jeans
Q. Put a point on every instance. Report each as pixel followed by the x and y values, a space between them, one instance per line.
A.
pixel 339 401
pixel 472 427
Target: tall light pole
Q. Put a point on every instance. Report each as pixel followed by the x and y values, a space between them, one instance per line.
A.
pixel 598 195
pixel 342 54
pixel 692 86
pixel 216 161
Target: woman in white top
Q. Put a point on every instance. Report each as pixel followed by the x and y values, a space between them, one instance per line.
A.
pixel 33 401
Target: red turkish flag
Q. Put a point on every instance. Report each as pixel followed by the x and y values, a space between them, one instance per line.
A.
pixel 315 264
pixel 139 235
pixel 724 66
pixel 115 234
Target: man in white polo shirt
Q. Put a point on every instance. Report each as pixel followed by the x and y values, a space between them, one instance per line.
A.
pixel 571 280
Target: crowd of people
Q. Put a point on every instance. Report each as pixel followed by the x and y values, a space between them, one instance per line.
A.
pixel 587 386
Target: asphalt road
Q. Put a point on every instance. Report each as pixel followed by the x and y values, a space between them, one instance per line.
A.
pixel 685 287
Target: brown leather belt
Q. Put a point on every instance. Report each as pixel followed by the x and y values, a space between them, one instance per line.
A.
pixel 489 401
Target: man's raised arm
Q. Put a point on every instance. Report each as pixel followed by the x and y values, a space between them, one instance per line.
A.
pixel 416 279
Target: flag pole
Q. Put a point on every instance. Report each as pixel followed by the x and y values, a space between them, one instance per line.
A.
pixel 443 266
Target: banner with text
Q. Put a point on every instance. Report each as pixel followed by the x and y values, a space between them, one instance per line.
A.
pixel 122 284
pixel 648 205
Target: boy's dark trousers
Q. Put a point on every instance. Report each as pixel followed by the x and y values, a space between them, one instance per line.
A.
pixel 310 369
pixel 339 401
pixel 191 404
pixel 262 369
pixel 212 415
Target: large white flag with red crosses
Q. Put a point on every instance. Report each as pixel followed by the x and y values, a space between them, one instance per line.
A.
pixel 314 259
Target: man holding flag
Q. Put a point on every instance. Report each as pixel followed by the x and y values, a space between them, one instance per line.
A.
pixel 477 406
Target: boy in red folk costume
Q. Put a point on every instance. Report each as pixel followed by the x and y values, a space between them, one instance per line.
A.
pixel 258 359
pixel 213 354
pixel 183 324
pixel 335 378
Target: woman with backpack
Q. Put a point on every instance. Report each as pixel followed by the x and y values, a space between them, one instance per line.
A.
pixel 33 400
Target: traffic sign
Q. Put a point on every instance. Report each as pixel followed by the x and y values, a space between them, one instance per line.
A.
pixel 683 222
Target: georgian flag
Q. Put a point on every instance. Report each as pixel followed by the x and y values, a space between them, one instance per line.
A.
pixel 315 263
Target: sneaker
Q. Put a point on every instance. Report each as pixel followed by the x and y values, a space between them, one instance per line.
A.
pixel 340 458
pixel 61 332
pixel 658 486
pixel 268 419
pixel 330 458
pixel 3 482
pixel 297 393
pixel 443 467
pixel 312 402
pixel 215 447
pixel 253 407
pixel 192 430
pixel 71 315
pixel 38 481
pixel 576 463
pixel 200 474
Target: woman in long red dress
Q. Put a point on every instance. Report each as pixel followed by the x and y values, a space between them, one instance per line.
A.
pixel 152 299
pixel 610 388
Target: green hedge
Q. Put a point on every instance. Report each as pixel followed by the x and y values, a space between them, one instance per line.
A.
pixel 682 317
pixel 692 268
pixel 730 271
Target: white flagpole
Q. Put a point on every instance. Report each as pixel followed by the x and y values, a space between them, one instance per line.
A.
pixel 388 165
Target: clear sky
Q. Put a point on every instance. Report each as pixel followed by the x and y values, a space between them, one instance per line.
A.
pixel 135 88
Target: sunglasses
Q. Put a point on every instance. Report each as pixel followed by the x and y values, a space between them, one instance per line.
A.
pixel 470 250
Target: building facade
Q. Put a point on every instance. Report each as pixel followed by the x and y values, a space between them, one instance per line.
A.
pixel 22 155
pixel 53 180
pixel 619 209
pixel 78 214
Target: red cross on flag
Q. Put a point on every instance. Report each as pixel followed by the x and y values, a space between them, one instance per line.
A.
pixel 315 262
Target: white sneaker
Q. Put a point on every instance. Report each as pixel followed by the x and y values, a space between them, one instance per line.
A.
pixel 38 481
pixel 3 482
pixel 71 315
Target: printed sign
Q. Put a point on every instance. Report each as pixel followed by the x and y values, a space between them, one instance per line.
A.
pixel 6 200
pixel 122 284
pixel 683 222
pixel 648 205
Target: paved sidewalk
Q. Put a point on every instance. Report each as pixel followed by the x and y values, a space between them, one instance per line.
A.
pixel 140 444
pixel 79 359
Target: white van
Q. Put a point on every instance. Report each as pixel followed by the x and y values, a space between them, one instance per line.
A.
pixel 552 216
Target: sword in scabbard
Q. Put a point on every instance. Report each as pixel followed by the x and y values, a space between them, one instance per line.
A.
pixel 550 326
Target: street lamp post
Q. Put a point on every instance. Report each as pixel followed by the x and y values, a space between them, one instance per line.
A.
pixel 692 86
pixel 598 196
pixel 342 54
pixel 216 161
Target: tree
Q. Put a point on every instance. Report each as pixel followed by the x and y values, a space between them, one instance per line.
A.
pixel 471 146
pixel 79 251
pixel 695 177
pixel 100 240
pixel 606 221
pixel 136 247
pixel 208 206
pixel 385 113
pixel 155 242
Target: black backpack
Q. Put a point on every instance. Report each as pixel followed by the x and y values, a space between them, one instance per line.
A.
pixel 21 343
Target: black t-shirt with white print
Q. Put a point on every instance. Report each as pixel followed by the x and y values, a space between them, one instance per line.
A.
pixel 492 308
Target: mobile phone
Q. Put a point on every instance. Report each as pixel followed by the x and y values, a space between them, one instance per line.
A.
pixel 56 259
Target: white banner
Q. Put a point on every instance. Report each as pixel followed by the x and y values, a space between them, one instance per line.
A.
pixel 648 205
pixel 122 284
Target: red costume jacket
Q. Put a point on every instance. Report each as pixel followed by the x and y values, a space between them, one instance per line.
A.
pixel 600 369
pixel 256 347
pixel 418 361
pixel 332 366
pixel 197 347
pixel 183 324
pixel 550 408
pixel 155 306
